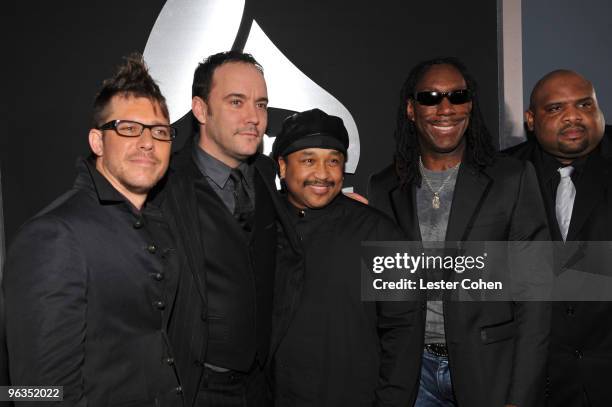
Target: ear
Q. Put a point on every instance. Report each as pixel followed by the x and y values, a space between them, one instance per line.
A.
pixel 282 165
pixel 529 119
pixel 199 109
pixel 410 109
pixel 96 142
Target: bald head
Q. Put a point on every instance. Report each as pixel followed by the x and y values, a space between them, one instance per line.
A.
pixel 557 75
pixel 564 115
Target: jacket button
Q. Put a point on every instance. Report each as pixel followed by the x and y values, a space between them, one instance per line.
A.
pixel 138 224
pixel 179 390
pixel 578 354
pixel 169 361
pixel 570 311
pixel 157 276
pixel 152 248
pixel 160 305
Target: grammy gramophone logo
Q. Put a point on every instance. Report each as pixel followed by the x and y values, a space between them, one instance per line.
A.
pixel 186 31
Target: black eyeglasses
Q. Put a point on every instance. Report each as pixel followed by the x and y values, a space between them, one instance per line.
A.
pixel 128 128
pixel 432 97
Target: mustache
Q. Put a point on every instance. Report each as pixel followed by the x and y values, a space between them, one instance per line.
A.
pixel 319 183
pixel 146 156
pixel 569 127
pixel 448 122
pixel 248 129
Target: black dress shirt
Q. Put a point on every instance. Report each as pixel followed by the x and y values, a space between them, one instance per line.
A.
pixel 550 175
pixel 217 174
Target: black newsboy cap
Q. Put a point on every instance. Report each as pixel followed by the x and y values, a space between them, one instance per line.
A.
pixel 310 129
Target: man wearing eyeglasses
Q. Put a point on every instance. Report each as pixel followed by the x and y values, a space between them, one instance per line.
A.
pixel 89 282
pixel 572 155
pixel 448 185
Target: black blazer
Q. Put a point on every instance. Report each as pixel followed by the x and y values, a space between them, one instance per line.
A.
pixel 497 349
pixel 180 207
pixel 87 301
pixel 580 354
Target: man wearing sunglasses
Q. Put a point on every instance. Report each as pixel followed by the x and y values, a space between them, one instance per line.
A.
pixel 447 184
pixel 89 282
pixel 572 155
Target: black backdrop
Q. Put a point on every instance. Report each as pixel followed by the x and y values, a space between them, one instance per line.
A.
pixel 57 53
pixel 358 50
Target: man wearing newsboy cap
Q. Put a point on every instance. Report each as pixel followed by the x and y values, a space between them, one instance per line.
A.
pixel 338 350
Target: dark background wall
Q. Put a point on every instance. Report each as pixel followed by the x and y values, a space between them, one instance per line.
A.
pixel 358 51
pixel 569 34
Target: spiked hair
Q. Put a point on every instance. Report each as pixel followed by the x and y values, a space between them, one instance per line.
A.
pixel 132 78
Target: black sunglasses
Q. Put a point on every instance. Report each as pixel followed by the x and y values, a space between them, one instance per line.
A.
pixel 432 97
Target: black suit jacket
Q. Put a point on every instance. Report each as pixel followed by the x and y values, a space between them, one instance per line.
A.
pixel 181 208
pixel 580 354
pixel 87 301
pixel 497 349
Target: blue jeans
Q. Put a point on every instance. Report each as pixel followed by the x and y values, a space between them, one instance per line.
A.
pixel 435 387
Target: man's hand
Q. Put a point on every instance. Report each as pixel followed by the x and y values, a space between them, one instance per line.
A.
pixel 357 197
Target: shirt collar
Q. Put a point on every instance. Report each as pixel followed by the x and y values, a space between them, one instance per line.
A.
pixel 218 171
pixel 550 165
pixel 103 188
pixel 210 167
pixel 308 214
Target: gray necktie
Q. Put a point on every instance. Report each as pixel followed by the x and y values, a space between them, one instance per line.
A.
pixel 566 193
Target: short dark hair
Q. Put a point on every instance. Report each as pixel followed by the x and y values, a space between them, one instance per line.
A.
pixel 202 77
pixel 131 78
pixel 479 146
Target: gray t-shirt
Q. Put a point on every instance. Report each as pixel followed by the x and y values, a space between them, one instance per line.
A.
pixel 433 223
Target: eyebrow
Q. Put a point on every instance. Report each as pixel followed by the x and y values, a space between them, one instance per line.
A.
pixel 243 96
pixel 563 102
pixel 586 99
pixel 235 95
pixel 306 153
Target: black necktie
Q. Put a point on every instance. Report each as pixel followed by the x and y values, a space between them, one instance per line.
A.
pixel 243 206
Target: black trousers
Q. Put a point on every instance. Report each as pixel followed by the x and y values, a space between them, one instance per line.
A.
pixel 234 389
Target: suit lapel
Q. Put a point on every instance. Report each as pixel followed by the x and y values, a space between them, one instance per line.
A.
pixel 267 175
pixel 182 207
pixel 403 202
pixel 590 192
pixel 287 283
pixel 535 157
pixel 470 190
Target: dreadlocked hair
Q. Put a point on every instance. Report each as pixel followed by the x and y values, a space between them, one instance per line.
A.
pixel 479 147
